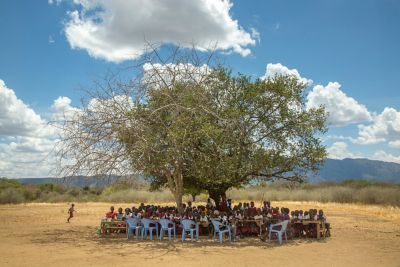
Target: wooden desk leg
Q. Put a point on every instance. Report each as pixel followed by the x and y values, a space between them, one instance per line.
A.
pixel 318 231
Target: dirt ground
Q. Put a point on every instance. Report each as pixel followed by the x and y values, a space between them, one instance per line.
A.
pixel 38 235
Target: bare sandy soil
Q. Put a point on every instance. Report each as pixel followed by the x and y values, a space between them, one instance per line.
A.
pixel 37 235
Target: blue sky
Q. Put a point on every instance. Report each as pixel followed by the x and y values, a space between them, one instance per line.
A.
pixel 47 51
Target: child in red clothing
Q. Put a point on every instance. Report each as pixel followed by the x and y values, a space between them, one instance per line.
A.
pixel 252 210
pixel 111 214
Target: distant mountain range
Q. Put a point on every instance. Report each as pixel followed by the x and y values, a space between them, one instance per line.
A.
pixel 332 170
pixel 339 170
pixel 75 181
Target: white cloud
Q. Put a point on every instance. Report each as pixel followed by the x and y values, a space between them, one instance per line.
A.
pixel 51 40
pixel 26 157
pixel 342 110
pixel 385 127
pixel 278 69
pixel 62 104
pixel 62 108
pixel 339 150
pixel 338 138
pixel 114 107
pixel 118 30
pixel 167 74
pixel 395 144
pixel 54 2
pixel 255 34
pixel 26 139
pixel 383 156
pixel 16 118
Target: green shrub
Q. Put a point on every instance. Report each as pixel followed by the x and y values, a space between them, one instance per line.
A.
pixel 11 195
pixel 60 188
pixel 73 192
pixel 9 183
pixel 46 187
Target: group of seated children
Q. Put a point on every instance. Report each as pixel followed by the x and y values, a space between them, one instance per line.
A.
pixel 308 230
pixel 311 214
pixel 243 219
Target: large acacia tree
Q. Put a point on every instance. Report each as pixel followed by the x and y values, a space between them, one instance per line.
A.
pixel 251 130
pixel 263 131
pixel 185 125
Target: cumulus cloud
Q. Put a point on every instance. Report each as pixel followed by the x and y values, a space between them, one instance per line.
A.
pixel 342 110
pixel 395 144
pixel 119 30
pixel 278 69
pixel 115 106
pixel 339 150
pixel 62 104
pixel 383 156
pixel 385 127
pixel 16 118
pixel 26 139
pixel 22 157
pixel 62 108
pixel 167 74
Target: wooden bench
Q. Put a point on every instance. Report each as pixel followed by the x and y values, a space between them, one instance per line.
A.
pixel 320 226
pixel 112 226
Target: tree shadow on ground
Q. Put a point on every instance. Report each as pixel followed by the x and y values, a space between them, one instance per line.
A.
pixel 87 238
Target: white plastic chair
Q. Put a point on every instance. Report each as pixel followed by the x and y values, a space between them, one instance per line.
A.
pixel 219 231
pixel 191 227
pixel 280 232
pixel 133 225
pixel 167 226
pixel 147 227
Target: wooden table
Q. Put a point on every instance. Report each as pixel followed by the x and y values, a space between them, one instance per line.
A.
pixel 112 225
pixel 320 225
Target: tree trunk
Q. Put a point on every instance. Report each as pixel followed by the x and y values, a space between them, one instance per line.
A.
pixel 175 184
pixel 178 200
pixel 178 187
pixel 215 194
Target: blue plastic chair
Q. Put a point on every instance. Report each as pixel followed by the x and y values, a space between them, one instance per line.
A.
pixel 187 226
pixel 146 224
pixel 218 230
pixel 279 232
pixel 134 224
pixel 166 227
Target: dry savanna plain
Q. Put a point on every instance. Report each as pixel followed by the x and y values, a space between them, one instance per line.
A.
pixel 38 235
